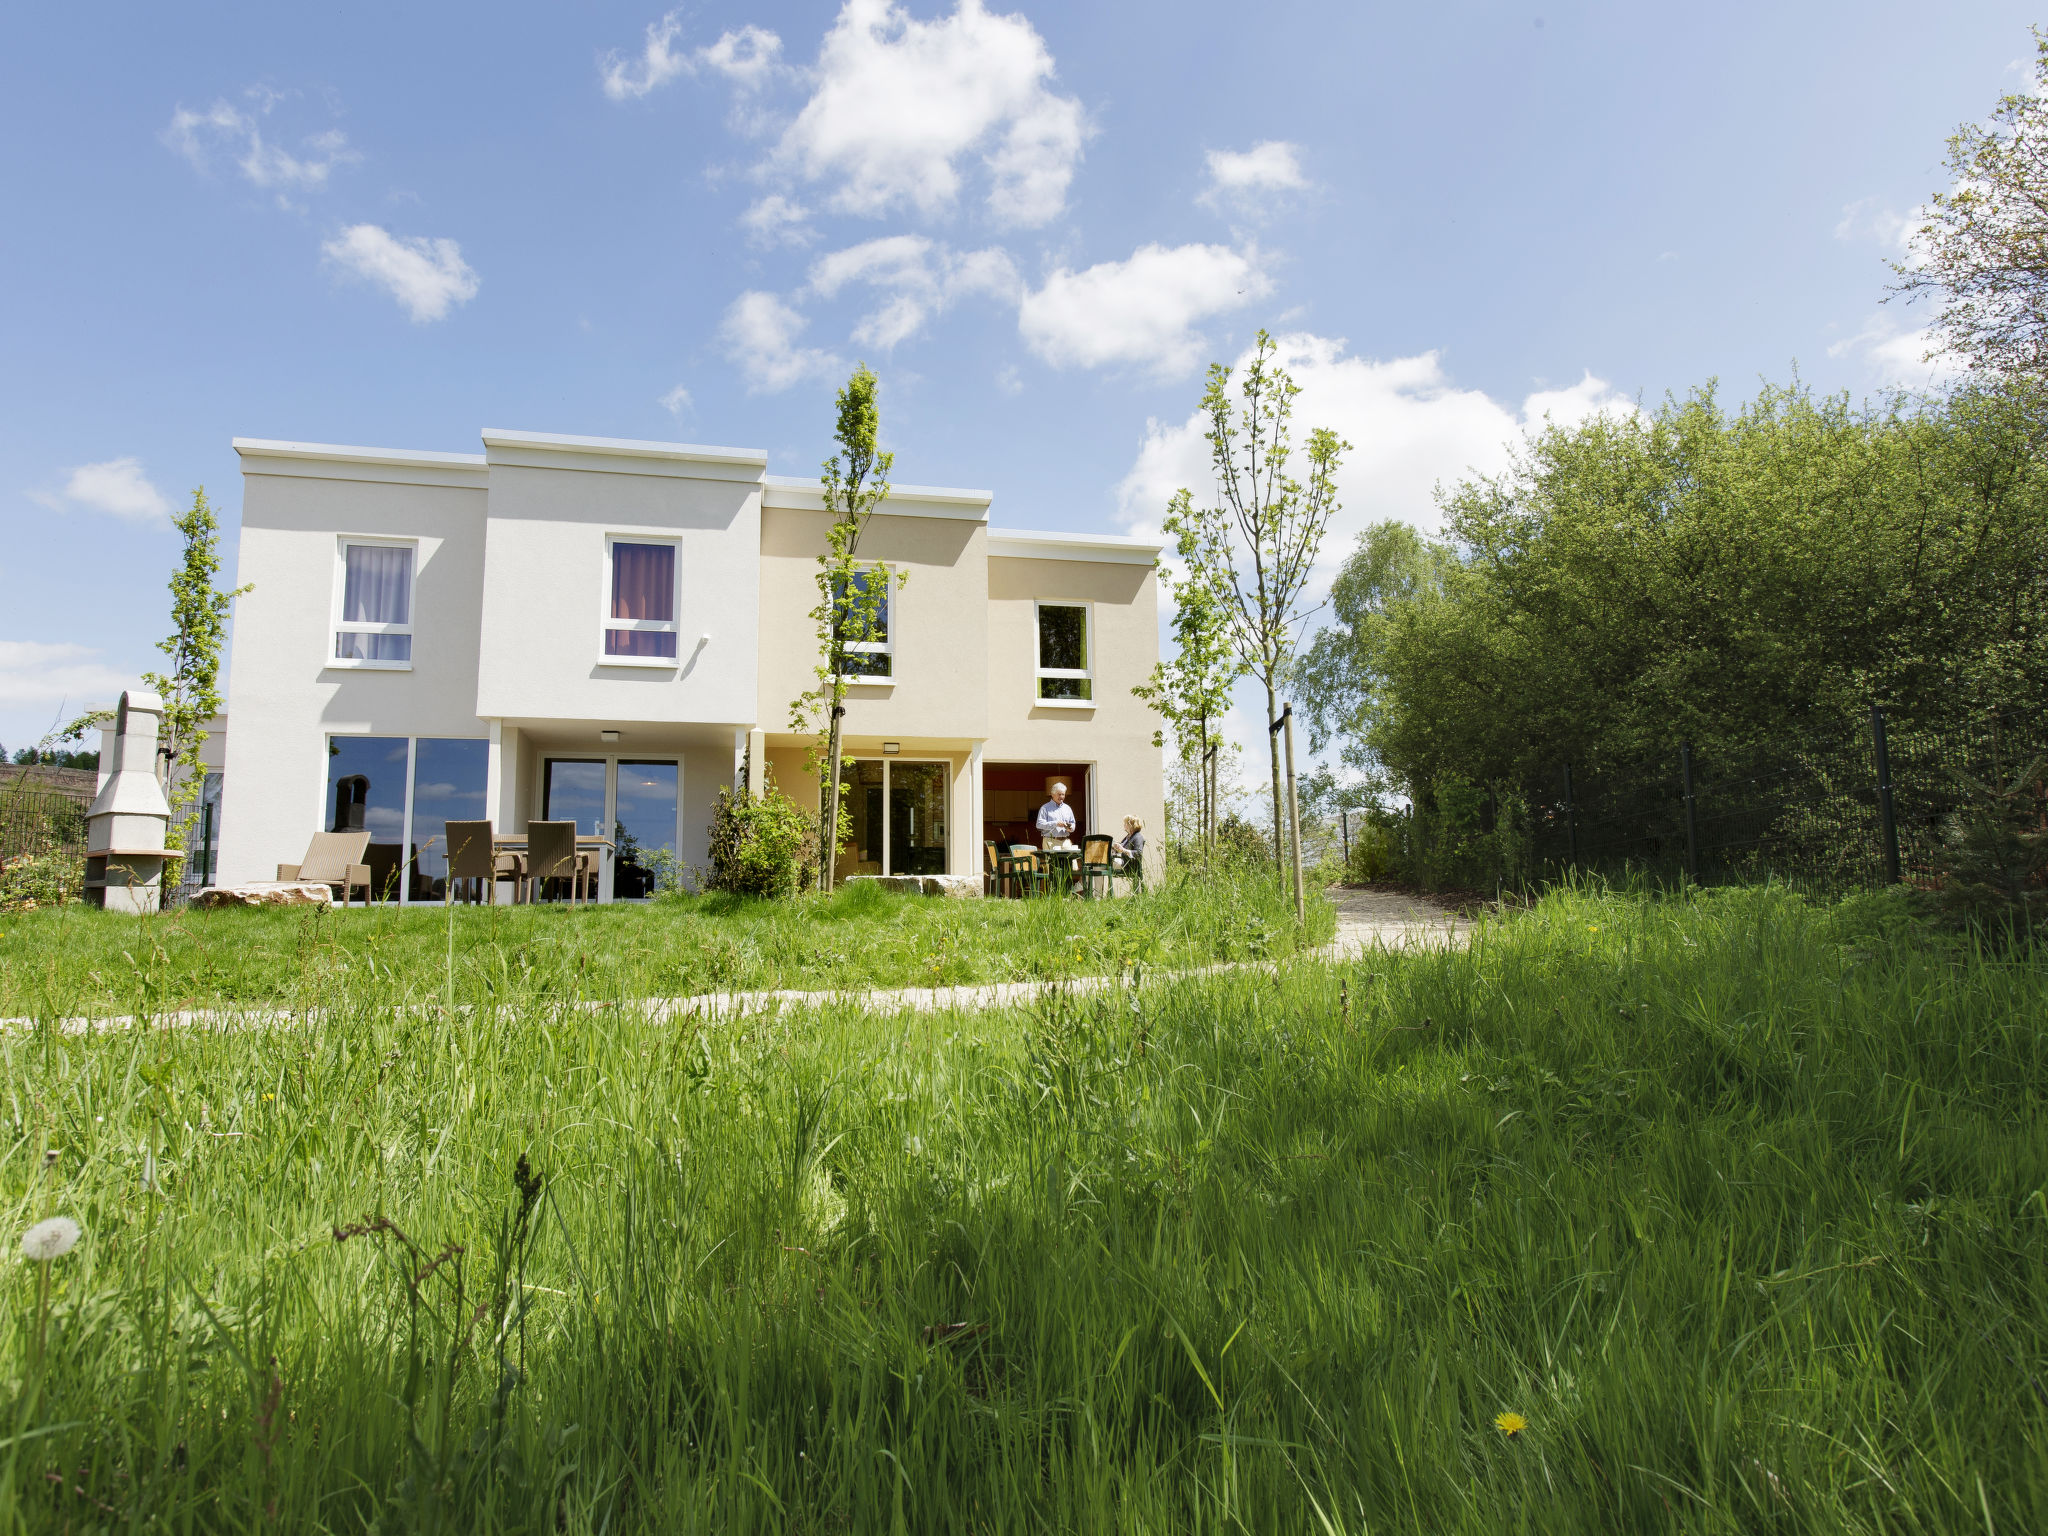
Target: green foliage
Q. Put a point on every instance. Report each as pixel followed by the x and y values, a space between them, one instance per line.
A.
pixel 191 688
pixel 41 879
pixel 1993 860
pixel 1688 574
pixel 851 597
pixel 762 845
pixel 1740 1214
pixel 1980 253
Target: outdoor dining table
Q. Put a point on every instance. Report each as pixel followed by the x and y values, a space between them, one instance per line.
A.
pixel 515 842
pixel 1061 867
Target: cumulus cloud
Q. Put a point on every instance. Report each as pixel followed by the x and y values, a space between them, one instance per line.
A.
pixel 1247 177
pixel 117 487
pixel 1410 429
pixel 676 401
pixel 760 333
pixel 225 130
pixel 47 674
pixel 1142 312
pixel 919 279
pixel 748 56
pixel 426 276
pixel 777 220
pixel 1898 355
pixel 899 104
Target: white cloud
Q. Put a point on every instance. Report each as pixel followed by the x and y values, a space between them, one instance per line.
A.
pixel 760 333
pixel 920 278
pixel 117 487
pixel 1898 356
pixel 1410 429
pixel 52 673
pixel 1140 312
pixel 427 276
pixel 676 401
pixel 748 56
pixel 224 129
pixel 1245 177
pixel 777 220
pixel 899 103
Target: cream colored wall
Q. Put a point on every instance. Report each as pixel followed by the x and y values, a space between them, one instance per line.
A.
pixel 545 598
pixel 284 697
pixel 1116 735
pixel 940 687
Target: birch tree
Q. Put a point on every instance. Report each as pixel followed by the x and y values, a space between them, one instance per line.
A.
pixel 1258 543
pixel 852 599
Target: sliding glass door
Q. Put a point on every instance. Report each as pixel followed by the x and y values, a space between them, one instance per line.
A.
pixel 403 790
pixel 637 803
pixel 897 815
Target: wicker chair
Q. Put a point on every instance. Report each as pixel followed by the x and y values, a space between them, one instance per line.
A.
pixel 471 857
pixel 335 860
pixel 551 855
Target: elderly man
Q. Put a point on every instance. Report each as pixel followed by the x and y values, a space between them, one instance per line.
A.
pixel 1056 818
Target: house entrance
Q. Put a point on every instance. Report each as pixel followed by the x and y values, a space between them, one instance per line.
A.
pixel 1011 794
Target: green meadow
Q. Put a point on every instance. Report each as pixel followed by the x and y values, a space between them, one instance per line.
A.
pixel 1735 1202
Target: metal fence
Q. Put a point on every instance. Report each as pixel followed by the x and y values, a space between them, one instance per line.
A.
pixel 1835 808
pixel 40 822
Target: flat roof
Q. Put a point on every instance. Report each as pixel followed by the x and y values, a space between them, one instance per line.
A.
pixel 1108 548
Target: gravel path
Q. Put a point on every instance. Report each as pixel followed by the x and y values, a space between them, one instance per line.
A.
pixel 1365 920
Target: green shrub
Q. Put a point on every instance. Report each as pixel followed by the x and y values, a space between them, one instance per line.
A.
pixel 41 879
pixel 762 847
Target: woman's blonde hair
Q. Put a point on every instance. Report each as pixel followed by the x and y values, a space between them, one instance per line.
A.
pixel 1134 823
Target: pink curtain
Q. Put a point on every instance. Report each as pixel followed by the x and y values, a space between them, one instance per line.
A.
pixel 644 581
pixel 643 587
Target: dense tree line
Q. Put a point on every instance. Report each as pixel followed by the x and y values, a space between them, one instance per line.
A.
pixel 1696 573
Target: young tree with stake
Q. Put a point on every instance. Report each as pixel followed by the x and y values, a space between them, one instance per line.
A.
pixel 191 689
pixel 1259 543
pixel 1192 691
pixel 852 598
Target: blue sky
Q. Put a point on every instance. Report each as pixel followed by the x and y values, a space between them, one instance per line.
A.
pixel 396 225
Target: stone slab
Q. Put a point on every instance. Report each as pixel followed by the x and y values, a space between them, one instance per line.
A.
pixel 955 886
pixel 265 893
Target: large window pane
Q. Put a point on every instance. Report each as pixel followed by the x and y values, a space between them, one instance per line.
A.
pixel 448 784
pixel 917 818
pixel 862 852
pixel 366 792
pixel 377 585
pixel 359 645
pixel 643 589
pixel 574 791
pixel 646 821
pixel 1063 637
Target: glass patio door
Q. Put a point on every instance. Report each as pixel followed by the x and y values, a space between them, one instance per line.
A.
pixel 635 802
pixel 897 819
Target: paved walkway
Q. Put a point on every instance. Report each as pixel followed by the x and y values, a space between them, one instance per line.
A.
pixel 1365 920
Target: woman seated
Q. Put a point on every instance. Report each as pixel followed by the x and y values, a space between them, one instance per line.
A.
pixel 1127 854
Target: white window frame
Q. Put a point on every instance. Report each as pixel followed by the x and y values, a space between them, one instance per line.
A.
pixel 884 647
pixel 606 622
pixel 412 605
pixel 1085 673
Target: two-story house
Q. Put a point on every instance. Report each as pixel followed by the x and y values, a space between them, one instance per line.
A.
pixel 609 632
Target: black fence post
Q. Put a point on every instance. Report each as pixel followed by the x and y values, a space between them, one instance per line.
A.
pixel 1887 826
pixel 1692 840
pixel 1571 822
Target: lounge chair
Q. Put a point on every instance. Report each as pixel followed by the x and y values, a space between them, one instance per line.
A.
pixel 335 860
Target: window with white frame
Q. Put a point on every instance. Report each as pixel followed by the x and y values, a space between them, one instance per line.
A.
pixel 373 622
pixel 1063 652
pixel 640 611
pixel 872 657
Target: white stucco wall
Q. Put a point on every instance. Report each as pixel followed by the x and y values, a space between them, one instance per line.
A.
pixel 285 695
pixel 544 583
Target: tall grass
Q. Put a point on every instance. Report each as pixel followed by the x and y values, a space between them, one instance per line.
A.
pixel 73 961
pixel 1738 1201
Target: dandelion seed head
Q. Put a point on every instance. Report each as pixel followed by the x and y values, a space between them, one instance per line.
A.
pixel 50 1239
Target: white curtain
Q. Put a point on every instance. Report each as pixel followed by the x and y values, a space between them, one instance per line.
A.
pixel 378 585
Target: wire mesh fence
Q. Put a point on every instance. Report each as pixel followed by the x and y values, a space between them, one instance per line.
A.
pixel 36 822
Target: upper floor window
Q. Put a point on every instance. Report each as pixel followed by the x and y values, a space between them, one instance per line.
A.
pixel 1063 651
pixel 374 626
pixel 640 622
pixel 873 654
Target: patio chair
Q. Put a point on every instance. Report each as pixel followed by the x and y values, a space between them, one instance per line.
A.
pixel 333 859
pixel 471 857
pixel 1095 860
pixel 551 855
pixel 1005 873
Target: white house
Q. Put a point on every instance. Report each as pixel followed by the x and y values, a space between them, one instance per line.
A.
pixel 587 629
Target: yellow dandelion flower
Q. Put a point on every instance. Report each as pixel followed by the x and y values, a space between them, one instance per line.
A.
pixel 1510 1424
pixel 1592 927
